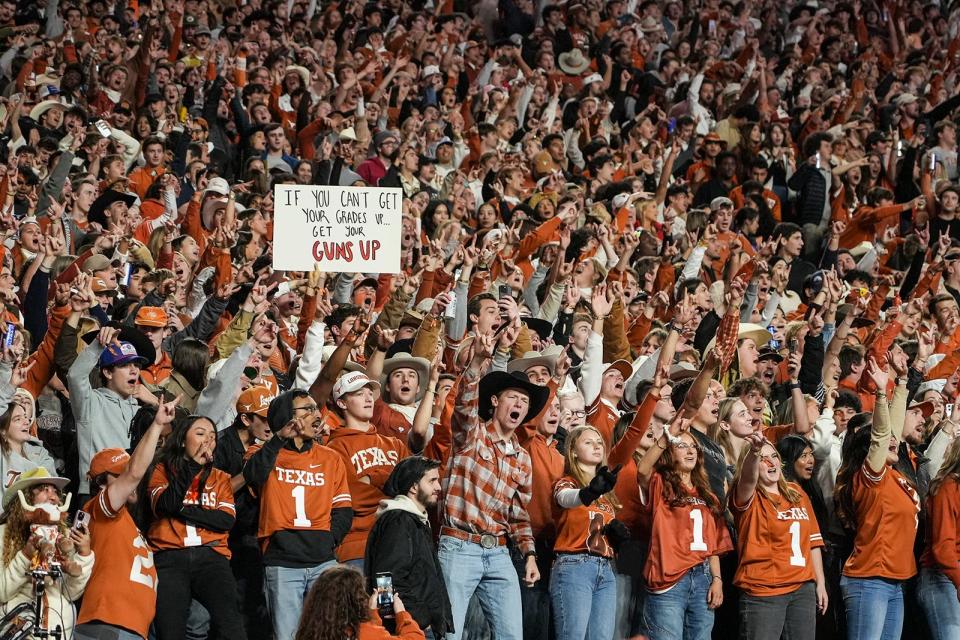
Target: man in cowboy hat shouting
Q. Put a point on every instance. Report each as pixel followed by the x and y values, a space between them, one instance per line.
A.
pixel 487 488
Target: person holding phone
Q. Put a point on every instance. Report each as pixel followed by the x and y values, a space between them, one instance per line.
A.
pixel 338 608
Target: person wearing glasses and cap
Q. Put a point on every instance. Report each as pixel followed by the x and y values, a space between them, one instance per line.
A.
pixel 305 506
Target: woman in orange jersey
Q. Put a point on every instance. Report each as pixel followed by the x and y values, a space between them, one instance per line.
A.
pixel 193 511
pixel 778 544
pixel 879 508
pixel 687 537
pixel 337 608
pixel 939 586
pixel 583 588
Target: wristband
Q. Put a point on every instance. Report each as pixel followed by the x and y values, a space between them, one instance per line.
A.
pixel 794 385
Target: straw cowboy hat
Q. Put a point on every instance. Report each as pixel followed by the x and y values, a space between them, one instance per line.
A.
pixel 755 332
pixel 303 72
pixel 546 358
pixel 32 478
pixel 37 112
pixel 573 62
pixel 404 360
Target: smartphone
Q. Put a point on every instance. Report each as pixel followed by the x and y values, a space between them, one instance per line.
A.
pixel 933 162
pixel 712 27
pixel 818 161
pixel 127 273
pixel 81 521
pixel 671 125
pixel 10 335
pixel 103 128
pixel 794 345
pixel 899 148
pixel 505 291
pixel 948 409
pixel 384 582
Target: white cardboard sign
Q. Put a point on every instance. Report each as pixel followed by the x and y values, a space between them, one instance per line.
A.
pixel 342 229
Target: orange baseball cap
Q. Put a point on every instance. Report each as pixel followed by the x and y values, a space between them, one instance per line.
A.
pixel 256 400
pixel 151 317
pixel 113 461
pixel 102 286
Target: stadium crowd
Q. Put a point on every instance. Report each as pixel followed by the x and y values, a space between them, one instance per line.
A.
pixel 672 351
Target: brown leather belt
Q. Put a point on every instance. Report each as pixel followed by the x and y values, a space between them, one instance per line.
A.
pixel 485 540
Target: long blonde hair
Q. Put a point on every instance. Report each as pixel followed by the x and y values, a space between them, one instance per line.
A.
pixel 720 435
pixel 949 470
pixel 786 489
pixel 572 468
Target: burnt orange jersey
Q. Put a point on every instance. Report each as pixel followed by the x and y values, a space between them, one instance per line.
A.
pixel 887 508
pixel 943 544
pixel 580 529
pixel 176 533
pixel 123 588
pixel 774 539
pixel 681 537
pixel 603 418
pixel 369 459
pixel 301 491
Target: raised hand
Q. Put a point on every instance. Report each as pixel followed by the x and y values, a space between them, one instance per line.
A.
pixel 385 337
pixel 878 374
pixel 166 412
pixel 599 301
pixel 107 336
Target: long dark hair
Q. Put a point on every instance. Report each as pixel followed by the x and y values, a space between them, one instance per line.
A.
pixel 856 445
pixel 190 359
pixel 673 490
pixel 335 607
pixel 173 457
pixel 790 449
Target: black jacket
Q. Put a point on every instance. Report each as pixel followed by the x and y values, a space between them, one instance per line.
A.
pixel 401 544
pixel 812 188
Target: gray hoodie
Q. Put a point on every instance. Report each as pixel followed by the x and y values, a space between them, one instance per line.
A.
pixel 13 464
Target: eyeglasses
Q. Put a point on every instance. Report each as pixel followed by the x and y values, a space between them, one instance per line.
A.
pixel 577 413
pixel 311 408
pixel 683 446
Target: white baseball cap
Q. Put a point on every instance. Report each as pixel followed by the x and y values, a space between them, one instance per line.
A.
pixel 353 381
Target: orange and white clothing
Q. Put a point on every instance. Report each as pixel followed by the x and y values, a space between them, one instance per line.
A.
pixel 129 576
pixel 887 509
pixel 180 532
pixel 305 503
pixel 774 541
pixel 369 459
pixel 682 536
pixel 942 551
pixel 580 527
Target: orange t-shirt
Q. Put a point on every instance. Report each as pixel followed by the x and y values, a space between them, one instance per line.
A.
pixel 369 459
pixel 547 462
pixel 681 537
pixel 301 492
pixel 602 418
pixel 774 539
pixel 123 588
pixel 580 529
pixel 887 508
pixel 174 533
pixel 943 545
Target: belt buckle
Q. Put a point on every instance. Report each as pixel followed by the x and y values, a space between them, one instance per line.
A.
pixel 488 541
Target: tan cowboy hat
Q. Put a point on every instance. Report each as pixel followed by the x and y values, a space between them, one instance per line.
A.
pixel 755 332
pixel 404 360
pixel 37 112
pixel 303 72
pixel 546 358
pixel 573 62
pixel 32 478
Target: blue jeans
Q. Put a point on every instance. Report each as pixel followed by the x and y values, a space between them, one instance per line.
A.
pixel 583 590
pixel 469 568
pixel 874 608
pixel 681 613
pixel 285 589
pixel 938 598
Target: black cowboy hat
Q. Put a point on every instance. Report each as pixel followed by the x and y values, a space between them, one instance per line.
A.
pixel 98 210
pixel 543 328
pixel 134 336
pixel 496 382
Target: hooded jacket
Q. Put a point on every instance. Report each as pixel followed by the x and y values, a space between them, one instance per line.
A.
pixel 401 544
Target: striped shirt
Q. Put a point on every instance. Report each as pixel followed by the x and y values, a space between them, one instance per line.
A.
pixel 489 481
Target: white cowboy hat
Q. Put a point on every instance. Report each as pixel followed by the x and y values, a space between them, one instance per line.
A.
pixel 41 108
pixel 573 62
pixel 755 332
pixel 404 360
pixel 546 358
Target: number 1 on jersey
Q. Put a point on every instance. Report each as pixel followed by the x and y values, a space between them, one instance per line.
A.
pixel 697 544
pixel 300 504
pixel 796 555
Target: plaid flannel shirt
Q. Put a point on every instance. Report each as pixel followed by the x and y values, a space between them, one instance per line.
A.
pixel 489 482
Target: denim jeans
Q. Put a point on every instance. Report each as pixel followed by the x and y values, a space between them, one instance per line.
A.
pixel 469 568
pixel 791 616
pixel 874 608
pixel 285 589
pixel 583 590
pixel 681 613
pixel 938 598
pixel 99 631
